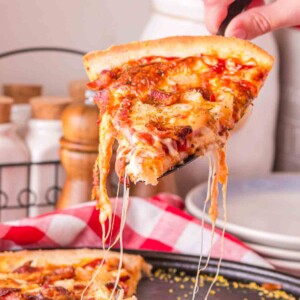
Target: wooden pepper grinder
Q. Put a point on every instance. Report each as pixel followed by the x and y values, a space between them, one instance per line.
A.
pixel 78 152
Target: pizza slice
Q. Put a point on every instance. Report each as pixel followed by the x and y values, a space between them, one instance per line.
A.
pixel 168 99
pixel 69 274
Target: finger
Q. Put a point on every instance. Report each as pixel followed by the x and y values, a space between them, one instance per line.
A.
pixel 215 13
pixel 262 19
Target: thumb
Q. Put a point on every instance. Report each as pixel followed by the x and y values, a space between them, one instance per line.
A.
pixel 260 20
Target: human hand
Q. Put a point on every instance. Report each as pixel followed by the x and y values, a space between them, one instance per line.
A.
pixel 258 19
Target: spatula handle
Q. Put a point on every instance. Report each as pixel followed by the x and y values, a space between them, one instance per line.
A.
pixel 234 9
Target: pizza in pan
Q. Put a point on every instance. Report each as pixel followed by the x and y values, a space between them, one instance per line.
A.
pixel 168 99
pixel 69 274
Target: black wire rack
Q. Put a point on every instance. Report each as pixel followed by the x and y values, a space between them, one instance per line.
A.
pixel 26 197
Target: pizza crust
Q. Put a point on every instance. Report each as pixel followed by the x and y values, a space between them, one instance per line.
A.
pixel 178 46
pixel 12 260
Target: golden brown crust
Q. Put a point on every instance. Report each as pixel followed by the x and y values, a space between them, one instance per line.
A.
pixel 179 46
pixel 11 260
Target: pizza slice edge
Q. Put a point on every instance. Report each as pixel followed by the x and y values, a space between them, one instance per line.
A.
pixel 165 100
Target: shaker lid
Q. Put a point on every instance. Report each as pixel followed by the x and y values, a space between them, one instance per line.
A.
pixel 77 89
pixel 21 93
pixel 192 10
pixel 5 109
pixel 48 107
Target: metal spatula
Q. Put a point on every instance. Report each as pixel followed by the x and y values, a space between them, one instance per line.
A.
pixel 234 9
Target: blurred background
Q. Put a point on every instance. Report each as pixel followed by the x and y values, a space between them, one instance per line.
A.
pixel 75 24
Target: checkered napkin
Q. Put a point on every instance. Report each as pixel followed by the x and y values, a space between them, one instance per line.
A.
pixel 158 224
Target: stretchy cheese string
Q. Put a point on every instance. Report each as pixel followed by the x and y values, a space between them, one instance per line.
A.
pixel 224 200
pixel 115 211
pixel 211 187
pixel 105 237
pixel 123 220
pixel 214 202
pixel 106 139
pixel 119 237
pixel 222 240
pixel 196 285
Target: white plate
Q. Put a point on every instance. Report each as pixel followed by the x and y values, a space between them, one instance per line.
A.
pixel 263 210
pixel 292 267
pixel 275 252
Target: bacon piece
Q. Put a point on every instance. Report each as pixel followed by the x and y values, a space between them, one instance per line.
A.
pixel 79 286
pixel 60 274
pixel 61 290
pixel 220 66
pixel 183 131
pixel 6 291
pixel 65 272
pixel 138 79
pixel 102 100
pixel 123 113
pixel 206 93
pixel 124 278
pixel 27 268
pixel 176 132
pixel 182 145
pixel 54 292
pixel 104 80
pixel 159 97
pixel 12 296
pixel 38 296
pixel 147 137
pixel 94 263
pixel 159 129
pixel 165 148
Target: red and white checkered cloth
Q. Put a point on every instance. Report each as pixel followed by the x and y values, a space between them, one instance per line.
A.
pixel 158 224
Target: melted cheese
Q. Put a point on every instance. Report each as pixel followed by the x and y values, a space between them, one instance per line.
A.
pixel 203 96
pixel 199 269
pixel 106 140
pixel 223 179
